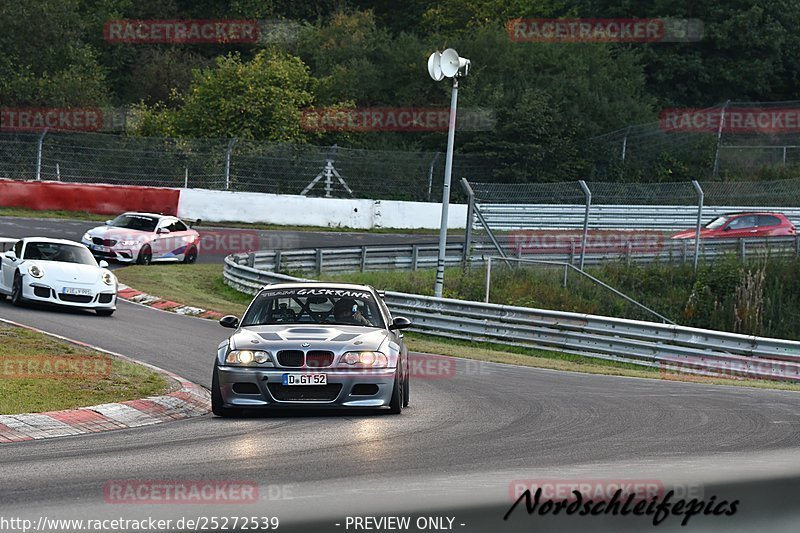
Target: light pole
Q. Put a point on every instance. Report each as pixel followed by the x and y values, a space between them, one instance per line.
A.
pixel 448 64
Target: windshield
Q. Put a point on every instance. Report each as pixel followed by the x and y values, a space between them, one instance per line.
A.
pixel 64 253
pixel 314 306
pixel 717 223
pixel 136 222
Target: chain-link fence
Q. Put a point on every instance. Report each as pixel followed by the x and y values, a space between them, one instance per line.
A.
pixel 728 141
pixel 231 164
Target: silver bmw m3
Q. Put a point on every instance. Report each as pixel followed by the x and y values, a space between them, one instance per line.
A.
pixel 313 346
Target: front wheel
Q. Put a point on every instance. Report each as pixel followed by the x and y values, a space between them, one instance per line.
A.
pixel 190 256
pixel 145 255
pixel 16 291
pixel 396 403
pixel 406 390
pixel 217 406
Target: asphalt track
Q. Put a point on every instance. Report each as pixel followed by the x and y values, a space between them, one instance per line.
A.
pixel 455 452
pixel 223 241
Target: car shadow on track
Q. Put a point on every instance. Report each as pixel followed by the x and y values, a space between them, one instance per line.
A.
pixel 52 308
pixel 304 413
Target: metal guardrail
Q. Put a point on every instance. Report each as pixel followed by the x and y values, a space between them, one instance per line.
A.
pixel 560 248
pixel 669 347
pixel 503 217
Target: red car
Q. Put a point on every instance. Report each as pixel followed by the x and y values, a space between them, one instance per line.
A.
pixel 734 225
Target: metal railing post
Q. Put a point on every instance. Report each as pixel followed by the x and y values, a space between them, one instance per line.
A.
pixel 430 175
pixel 39 155
pixel 700 199
pixel 488 279
pixel 228 163
pixel 588 194
pixel 719 138
pixel 470 217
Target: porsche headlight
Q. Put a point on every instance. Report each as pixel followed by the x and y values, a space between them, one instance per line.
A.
pixel 36 271
pixel 248 357
pixel 368 359
pixel 87 237
pixel 108 278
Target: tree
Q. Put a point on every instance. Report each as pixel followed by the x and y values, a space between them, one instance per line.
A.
pixel 258 99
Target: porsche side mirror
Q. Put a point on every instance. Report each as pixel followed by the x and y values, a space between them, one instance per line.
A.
pixel 400 322
pixel 10 255
pixel 229 321
pixel 103 263
pixel 108 222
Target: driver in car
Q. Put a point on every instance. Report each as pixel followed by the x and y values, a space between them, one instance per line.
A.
pixel 346 311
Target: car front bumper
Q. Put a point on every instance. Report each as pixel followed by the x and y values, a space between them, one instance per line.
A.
pixel 104 297
pixel 126 254
pixel 262 388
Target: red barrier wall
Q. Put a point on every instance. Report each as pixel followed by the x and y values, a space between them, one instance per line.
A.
pixel 100 199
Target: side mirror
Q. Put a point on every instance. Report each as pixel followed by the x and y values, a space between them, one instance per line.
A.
pixel 11 255
pixel 400 322
pixel 103 263
pixel 196 223
pixel 726 228
pixel 229 321
pixel 108 222
pixel 162 230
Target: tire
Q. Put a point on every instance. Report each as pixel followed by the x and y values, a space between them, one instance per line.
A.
pixel 190 256
pixel 396 403
pixel 406 390
pixel 145 255
pixel 217 406
pixel 104 312
pixel 16 291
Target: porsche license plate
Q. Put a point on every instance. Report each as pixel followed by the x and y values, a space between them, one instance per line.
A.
pixel 77 291
pixel 305 379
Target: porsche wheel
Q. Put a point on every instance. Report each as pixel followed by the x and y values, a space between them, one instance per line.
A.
pixel 16 291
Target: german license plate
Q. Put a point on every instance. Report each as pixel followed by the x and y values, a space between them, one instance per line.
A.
pixel 305 379
pixel 77 291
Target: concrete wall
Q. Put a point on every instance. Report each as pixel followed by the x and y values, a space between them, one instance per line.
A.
pixel 285 209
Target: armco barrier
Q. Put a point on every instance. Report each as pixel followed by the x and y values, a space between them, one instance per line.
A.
pixel 99 199
pixel 418 256
pixel 665 346
pixel 501 217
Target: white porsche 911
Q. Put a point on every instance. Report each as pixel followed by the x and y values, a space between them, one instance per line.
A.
pixel 57 272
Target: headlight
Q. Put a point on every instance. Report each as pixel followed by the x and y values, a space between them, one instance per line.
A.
pixel 247 357
pixel 108 278
pixel 370 359
pixel 87 237
pixel 36 271
pixel 127 243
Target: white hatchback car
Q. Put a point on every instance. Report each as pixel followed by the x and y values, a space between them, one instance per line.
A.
pixel 143 238
pixel 57 272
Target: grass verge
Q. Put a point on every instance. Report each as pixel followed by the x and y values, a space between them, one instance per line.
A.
pixel 41 373
pixel 203 286
pixel 199 285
